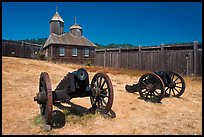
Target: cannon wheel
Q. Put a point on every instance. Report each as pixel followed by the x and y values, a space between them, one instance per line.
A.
pixel 46 106
pixel 177 85
pixel 102 93
pixel 151 87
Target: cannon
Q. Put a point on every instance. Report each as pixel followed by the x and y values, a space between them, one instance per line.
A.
pixel 157 85
pixel 75 84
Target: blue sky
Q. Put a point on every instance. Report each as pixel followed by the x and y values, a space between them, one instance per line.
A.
pixel 137 23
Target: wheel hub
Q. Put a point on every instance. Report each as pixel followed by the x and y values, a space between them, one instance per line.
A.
pixel 40 97
pixel 104 92
pixel 98 92
pixel 149 87
pixel 172 85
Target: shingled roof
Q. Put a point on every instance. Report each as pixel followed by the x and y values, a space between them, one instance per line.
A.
pixel 68 39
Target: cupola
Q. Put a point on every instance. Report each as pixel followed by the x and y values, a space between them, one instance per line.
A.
pixel 76 29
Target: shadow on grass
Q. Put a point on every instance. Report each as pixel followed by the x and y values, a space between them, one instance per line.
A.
pixel 73 109
pixel 150 100
pixel 59 118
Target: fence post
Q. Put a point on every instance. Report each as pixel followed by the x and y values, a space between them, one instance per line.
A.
pixel 187 63
pixel 195 49
pixel 22 50
pixel 3 48
pixel 140 60
pixel 162 56
pixel 104 58
pixel 119 59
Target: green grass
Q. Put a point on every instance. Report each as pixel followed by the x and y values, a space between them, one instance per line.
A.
pixel 73 116
pixel 38 120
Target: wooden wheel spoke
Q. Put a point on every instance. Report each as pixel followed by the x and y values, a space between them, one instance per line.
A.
pixel 156 84
pixel 103 100
pixel 146 94
pixel 98 103
pixel 100 82
pixel 104 95
pixel 169 91
pixel 150 95
pixel 178 82
pixel 144 91
pixel 166 89
pixel 172 77
pixel 176 90
pixel 156 95
pixel 176 79
pixel 156 92
pixel 104 89
pixel 94 102
pixel 153 94
pixel 173 91
pixel 96 84
pixel 103 84
pixel 145 79
pixel 178 87
pixel 101 104
pixel 144 83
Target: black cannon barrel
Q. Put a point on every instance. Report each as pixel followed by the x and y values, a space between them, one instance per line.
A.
pixel 81 74
pixel 74 84
pixel 165 76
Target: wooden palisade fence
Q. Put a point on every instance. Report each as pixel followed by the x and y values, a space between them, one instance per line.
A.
pixel 184 59
pixel 20 49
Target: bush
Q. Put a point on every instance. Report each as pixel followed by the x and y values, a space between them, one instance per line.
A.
pixel 88 64
pixel 41 56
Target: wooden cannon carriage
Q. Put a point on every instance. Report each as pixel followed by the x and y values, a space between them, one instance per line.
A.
pixel 155 86
pixel 75 84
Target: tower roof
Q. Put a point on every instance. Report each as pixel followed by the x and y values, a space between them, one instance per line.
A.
pixel 75 26
pixel 57 17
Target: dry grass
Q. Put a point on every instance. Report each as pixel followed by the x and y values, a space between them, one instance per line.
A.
pixel 114 71
pixel 20 79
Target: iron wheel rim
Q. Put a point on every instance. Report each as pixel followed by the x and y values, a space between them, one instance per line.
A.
pixel 46 108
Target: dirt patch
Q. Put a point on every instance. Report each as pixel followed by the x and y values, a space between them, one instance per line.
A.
pixel 20 79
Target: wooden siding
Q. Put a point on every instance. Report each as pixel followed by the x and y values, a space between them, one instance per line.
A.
pixel 56 27
pixel 68 58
